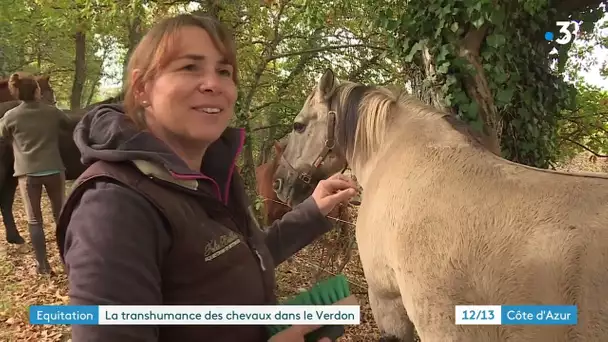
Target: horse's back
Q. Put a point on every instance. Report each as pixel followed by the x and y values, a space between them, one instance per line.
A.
pixel 5 106
pixel 487 232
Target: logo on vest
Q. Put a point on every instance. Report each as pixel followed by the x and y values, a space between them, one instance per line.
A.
pixel 221 245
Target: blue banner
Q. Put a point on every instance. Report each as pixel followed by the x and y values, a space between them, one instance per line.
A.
pixel 196 314
pixel 64 314
pixel 239 315
pixel 539 315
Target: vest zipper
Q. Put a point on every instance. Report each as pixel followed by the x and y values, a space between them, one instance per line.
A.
pixel 248 240
pixel 259 258
pixel 245 234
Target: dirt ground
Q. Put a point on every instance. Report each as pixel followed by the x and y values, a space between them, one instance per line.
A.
pixel 21 287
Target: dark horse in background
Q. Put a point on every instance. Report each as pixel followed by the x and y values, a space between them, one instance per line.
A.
pixel 69 152
pixel 272 208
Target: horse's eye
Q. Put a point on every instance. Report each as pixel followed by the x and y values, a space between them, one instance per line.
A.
pixel 299 127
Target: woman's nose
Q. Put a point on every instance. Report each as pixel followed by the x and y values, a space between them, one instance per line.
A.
pixel 209 83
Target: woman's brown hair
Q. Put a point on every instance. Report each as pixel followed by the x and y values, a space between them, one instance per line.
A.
pixel 153 53
pixel 24 87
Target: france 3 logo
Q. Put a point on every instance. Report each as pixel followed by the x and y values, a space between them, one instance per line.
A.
pixel 568 30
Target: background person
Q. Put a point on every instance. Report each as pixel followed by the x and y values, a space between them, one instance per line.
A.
pixel 33 128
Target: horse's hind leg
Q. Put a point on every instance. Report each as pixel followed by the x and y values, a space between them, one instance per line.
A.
pixel 7 196
pixel 391 317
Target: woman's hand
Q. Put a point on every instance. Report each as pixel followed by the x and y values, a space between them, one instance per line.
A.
pixel 332 191
pixel 296 333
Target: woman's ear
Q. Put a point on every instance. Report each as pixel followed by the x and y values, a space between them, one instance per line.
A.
pixel 138 86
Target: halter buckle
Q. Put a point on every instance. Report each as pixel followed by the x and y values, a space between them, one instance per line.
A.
pixel 305 177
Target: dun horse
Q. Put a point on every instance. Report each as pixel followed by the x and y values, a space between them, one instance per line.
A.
pixel 445 222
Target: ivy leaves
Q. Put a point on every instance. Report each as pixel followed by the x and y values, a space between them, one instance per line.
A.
pixel 526 93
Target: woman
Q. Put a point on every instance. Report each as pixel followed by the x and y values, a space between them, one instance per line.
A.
pixel 34 129
pixel 161 216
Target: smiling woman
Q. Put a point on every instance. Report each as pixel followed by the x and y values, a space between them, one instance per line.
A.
pixel 168 93
pixel 161 215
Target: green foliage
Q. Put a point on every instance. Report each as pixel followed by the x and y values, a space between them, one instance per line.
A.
pixel 526 92
pixel 585 128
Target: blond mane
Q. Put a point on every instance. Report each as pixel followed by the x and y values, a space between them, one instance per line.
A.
pixel 377 110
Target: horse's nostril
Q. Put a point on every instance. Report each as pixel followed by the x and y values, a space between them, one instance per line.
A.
pixel 276 185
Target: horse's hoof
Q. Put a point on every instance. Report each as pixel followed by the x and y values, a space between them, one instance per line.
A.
pixel 16 240
pixel 46 270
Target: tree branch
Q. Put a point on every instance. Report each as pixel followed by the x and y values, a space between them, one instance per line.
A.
pixel 591 125
pixel 586 148
pixel 355 73
pixel 267 127
pixel 584 116
pixel 322 49
pixel 262 106
pixel 580 5
pixel 268 50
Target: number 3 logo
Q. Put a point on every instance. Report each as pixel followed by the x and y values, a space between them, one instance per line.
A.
pixel 566 34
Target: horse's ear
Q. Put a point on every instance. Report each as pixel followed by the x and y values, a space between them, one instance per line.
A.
pixel 278 146
pixel 327 83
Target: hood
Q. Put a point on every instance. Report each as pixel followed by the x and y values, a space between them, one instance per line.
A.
pixel 106 133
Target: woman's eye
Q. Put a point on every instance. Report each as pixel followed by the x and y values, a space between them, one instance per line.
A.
pixel 299 127
pixel 189 67
pixel 225 72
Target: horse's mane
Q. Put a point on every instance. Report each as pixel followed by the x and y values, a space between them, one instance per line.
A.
pixel 368 111
pixel 365 113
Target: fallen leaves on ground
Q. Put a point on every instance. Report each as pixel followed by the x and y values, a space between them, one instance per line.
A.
pixel 21 286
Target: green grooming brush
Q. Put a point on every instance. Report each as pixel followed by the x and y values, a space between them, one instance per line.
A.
pixel 334 290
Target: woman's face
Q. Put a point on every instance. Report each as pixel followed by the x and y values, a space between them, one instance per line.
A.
pixel 193 98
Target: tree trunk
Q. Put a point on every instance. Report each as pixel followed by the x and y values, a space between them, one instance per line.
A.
pixel 264 152
pixel 478 89
pixel 79 70
pixel 248 171
pixel 434 96
pixel 93 90
pixel 134 28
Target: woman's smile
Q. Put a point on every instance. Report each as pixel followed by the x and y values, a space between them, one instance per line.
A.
pixel 208 110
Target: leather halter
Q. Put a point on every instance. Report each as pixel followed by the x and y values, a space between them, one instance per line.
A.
pixel 329 146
